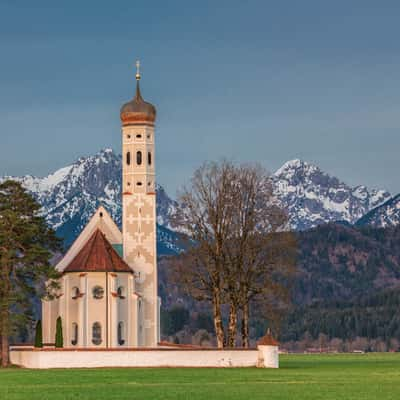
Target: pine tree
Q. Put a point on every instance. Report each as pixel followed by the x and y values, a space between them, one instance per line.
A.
pixel 59 334
pixel 39 335
pixel 26 245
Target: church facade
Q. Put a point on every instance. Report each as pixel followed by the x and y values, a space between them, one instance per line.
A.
pixel 108 288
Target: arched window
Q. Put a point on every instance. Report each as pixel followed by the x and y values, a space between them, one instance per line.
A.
pixel 139 158
pixel 121 333
pixel 96 333
pixel 98 292
pixel 121 292
pixel 149 158
pixel 128 158
pixel 75 292
pixel 74 334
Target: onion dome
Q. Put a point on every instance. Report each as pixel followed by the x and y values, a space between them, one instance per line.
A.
pixel 137 110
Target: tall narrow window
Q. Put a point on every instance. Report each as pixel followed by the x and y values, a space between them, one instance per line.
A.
pixel 96 333
pixel 75 293
pixel 149 158
pixel 138 157
pixel 121 292
pixel 121 333
pixel 74 337
pixel 128 158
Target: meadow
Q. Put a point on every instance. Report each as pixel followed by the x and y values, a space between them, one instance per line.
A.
pixel 344 376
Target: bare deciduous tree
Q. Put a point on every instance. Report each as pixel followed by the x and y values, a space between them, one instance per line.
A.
pixel 260 254
pixel 207 216
pixel 239 253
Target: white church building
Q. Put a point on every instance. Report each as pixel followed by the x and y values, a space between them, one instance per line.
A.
pixel 108 289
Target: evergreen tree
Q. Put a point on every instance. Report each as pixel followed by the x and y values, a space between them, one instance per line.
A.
pixel 59 334
pixel 39 335
pixel 26 243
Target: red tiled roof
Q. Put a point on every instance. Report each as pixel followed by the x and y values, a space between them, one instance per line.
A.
pixel 268 340
pixel 97 255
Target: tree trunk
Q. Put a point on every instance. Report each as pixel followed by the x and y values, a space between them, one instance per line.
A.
pixel 4 311
pixel 232 325
pixel 4 337
pixel 219 328
pixel 245 325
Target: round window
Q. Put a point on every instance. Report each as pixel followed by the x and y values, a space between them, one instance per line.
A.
pixel 98 292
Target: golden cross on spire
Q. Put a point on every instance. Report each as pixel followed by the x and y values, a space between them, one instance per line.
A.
pixel 137 70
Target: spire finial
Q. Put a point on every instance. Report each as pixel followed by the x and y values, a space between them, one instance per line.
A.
pixel 137 70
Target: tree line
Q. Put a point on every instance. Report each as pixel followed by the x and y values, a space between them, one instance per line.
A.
pixel 371 317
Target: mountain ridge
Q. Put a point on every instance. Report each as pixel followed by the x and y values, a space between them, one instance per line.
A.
pixel 70 195
pixel 384 215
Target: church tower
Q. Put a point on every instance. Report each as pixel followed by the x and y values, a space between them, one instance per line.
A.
pixel 139 210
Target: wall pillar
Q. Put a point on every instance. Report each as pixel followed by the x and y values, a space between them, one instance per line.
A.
pixel 268 356
pixel 113 313
pixel 82 340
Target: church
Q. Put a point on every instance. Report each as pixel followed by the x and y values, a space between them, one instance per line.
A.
pixel 108 288
pixel 107 297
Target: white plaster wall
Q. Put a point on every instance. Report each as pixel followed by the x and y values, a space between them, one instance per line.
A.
pixel 86 310
pixel 122 308
pixel 268 356
pixel 134 358
pixel 50 312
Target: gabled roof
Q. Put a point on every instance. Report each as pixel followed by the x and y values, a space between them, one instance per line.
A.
pixel 100 220
pixel 97 255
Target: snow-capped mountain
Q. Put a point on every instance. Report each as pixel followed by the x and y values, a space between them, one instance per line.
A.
pixel 383 216
pixel 313 197
pixel 71 195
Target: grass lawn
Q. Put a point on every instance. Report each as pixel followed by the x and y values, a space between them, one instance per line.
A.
pixel 359 376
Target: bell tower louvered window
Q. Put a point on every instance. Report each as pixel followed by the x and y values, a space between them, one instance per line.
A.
pixel 139 158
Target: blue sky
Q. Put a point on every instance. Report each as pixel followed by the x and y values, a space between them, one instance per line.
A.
pixel 263 81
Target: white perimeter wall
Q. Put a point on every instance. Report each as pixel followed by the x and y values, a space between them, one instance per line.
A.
pixel 132 358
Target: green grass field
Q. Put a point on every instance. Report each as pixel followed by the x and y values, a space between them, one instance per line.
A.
pixel 361 376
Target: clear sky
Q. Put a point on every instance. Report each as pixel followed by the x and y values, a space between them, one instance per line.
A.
pixel 263 81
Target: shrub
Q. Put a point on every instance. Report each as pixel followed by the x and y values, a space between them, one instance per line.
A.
pixel 39 335
pixel 59 334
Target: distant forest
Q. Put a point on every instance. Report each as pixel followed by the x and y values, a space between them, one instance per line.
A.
pixel 346 295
